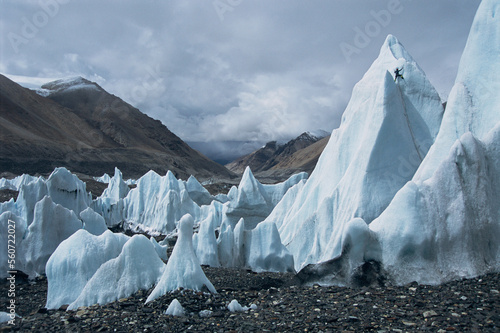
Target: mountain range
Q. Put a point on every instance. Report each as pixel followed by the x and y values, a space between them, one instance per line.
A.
pixel 77 124
pixel 280 161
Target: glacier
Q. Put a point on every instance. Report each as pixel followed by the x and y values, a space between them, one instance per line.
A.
pixel 157 203
pixel 474 100
pixel 446 227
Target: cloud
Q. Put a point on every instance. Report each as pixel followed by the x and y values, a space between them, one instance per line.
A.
pixel 246 70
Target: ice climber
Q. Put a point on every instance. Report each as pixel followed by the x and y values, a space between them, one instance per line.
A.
pixel 397 73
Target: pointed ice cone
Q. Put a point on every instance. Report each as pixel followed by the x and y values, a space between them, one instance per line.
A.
pixel 183 268
pixel 386 130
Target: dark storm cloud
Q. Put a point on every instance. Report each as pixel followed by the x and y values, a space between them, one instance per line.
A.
pixel 230 69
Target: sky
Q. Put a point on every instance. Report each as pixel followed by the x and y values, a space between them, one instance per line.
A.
pixel 216 72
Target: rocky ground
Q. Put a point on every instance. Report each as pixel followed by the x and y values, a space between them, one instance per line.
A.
pixel 282 305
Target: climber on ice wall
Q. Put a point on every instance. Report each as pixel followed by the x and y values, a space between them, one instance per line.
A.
pixel 397 73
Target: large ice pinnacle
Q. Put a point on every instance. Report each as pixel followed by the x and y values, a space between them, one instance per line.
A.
pixel 386 130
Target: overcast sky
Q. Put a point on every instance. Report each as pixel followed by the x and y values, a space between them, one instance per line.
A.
pixel 248 70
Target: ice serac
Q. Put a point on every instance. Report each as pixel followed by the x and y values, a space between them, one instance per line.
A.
pixel 103 179
pixel 205 242
pixel 447 227
pixel 474 99
pixel 161 250
pixel 137 267
pixel 66 189
pixel 75 261
pixel 16 183
pixel 259 249
pixel 197 192
pixel 117 189
pixel 110 204
pixel 183 268
pixel 175 309
pixel 29 195
pixel 386 131
pixel 264 252
pixel 52 224
pixel 157 203
pixel 93 222
pixel 62 186
pixel 254 201
pixel 9 206
pixel 445 223
pixel 250 202
pixel 225 245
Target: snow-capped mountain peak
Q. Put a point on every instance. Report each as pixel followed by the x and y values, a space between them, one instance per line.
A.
pixel 70 83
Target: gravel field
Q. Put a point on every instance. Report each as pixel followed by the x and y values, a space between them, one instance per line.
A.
pixel 282 305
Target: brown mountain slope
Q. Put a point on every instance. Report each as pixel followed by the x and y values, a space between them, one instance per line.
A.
pixel 273 161
pixel 81 126
pixel 255 160
pixel 302 160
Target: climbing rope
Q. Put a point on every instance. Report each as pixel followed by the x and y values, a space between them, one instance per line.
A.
pixel 408 121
